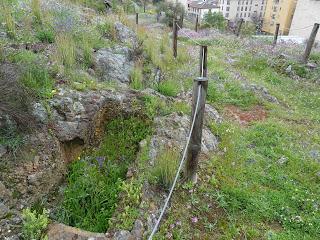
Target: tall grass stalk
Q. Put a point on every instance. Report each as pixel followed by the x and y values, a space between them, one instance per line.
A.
pixel 66 48
pixel 36 10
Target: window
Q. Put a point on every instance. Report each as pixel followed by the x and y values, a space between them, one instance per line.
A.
pixel 240 14
pixel 237 15
pixel 245 14
pixel 228 8
pixel 228 2
pixel 227 15
pixel 241 8
pixel 246 8
pixel 248 14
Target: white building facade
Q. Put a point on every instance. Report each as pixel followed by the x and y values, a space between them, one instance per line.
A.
pixel 248 10
pixel 306 14
pixel 202 7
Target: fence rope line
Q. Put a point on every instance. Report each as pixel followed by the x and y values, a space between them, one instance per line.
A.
pixel 197 43
pixel 155 228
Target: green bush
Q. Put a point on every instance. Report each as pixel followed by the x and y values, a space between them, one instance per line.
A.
pixel 45 35
pixel 215 20
pixel 168 88
pixel 34 224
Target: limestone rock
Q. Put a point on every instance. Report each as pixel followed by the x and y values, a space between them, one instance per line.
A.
pixel 4 210
pixel 3 150
pixel 40 113
pixel 125 34
pixel 114 64
pixel 63 232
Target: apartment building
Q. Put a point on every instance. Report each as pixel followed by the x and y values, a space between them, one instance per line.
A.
pixel 202 7
pixel 249 10
pixel 306 14
pixel 279 11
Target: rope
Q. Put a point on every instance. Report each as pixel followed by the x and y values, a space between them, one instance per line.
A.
pixel 196 42
pixel 155 228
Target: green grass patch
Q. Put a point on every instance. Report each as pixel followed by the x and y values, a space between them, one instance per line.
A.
pixel 95 181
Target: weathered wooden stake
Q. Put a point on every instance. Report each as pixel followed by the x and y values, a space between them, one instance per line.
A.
pixel 276 34
pixel 175 38
pixel 144 6
pixel 197 23
pixel 137 18
pixel 194 147
pixel 239 27
pixel 310 43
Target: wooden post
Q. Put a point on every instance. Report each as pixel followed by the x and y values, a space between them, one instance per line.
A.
pixel 144 6
pixel 310 43
pixel 239 27
pixel 197 23
pixel 137 18
pixel 175 38
pixel 276 35
pixel 194 147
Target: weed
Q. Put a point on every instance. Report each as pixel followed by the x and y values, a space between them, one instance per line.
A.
pixel 34 224
pixel 165 167
pixel 46 35
pixel 66 49
pixel 168 88
pixel 38 80
pixel 136 78
pixel 24 56
pixel 10 22
pixel 36 10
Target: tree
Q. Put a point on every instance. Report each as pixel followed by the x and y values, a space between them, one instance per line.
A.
pixel 172 10
pixel 215 20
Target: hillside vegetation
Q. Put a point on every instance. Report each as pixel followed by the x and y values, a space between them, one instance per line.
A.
pixel 261 181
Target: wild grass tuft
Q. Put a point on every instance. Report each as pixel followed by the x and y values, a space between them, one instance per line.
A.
pixel 9 22
pixel 66 49
pixel 36 10
pixel 165 167
pixel 136 78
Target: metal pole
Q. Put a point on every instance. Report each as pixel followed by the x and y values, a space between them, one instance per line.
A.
pixel 239 28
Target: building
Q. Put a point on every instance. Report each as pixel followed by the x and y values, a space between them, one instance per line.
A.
pixel 248 10
pixel 306 14
pixel 201 7
pixel 279 11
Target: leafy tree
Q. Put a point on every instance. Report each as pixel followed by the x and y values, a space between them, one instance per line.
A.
pixel 215 20
pixel 172 10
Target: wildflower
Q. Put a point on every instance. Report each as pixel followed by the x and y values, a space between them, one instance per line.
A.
pixel 194 219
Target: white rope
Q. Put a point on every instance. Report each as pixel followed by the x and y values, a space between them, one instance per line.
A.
pixel 197 43
pixel 155 228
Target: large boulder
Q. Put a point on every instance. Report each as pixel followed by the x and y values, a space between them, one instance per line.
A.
pixel 125 34
pixel 114 64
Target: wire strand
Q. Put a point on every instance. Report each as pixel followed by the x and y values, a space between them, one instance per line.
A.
pixel 155 228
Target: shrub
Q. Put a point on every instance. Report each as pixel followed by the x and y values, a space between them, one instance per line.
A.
pixel 168 88
pixel 136 78
pixel 215 20
pixel 65 49
pixel 34 224
pixel 45 35
pixel 165 167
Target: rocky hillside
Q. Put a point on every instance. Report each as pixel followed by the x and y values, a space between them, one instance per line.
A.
pixel 95 112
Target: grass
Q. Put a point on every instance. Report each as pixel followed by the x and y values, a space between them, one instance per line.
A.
pixel 165 167
pixel 95 181
pixel 38 80
pixel 136 78
pixel 263 182
pixel 66 49
pixel 36 11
